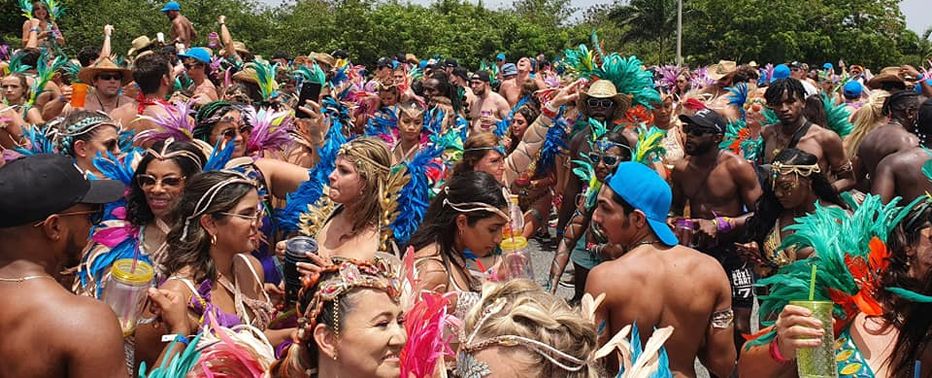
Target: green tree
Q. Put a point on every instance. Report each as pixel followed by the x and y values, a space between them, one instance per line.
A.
pixel 648 21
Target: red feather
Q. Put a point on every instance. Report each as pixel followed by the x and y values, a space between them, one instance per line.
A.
pixel 694 104
pixel 879 257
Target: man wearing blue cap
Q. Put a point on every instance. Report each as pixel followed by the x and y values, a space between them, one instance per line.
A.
pixel 182 29
pixel 196 60
pixel 852 94
pixel 656 282
pixel 718 187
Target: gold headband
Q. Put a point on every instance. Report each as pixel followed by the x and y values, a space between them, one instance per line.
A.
pixel 362 162
pixel 778 168
pixel 163 154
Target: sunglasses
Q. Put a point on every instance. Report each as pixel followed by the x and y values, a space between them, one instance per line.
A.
pixel 110 77
pixel 696 131
pixel 609 160
pixel 147 181
pixel 94 216
pixel 600 102
pixel 254 217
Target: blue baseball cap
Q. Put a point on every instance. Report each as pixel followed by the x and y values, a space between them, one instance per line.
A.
pixel 828 66
pixel 780 72
pixel 500 56
pixel 171 6
pixel 509 69
pixel 643 189
pixel 853 89
pixel 199 54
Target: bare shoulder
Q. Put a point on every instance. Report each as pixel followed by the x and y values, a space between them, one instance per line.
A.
pixel 701 264
pixel 87 319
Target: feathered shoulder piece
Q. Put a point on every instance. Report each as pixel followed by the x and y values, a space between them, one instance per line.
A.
pixel 39 140
pixel 313 74
pixel 850 255
pixel 635 360
pixel 173 121
pixel 738 96
pixel 47 68
pixel 838 117
pixel 26 7
pixel 270 130
pixel 17 65
pixel 265 78
pixel 554 145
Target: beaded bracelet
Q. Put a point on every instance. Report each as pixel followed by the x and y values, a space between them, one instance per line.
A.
pixel 775 351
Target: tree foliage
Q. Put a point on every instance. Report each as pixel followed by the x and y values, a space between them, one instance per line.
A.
pixel 868 32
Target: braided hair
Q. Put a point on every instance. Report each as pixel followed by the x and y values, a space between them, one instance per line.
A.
pixel 794 88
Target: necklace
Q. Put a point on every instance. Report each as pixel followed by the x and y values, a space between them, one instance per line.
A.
pixel 24 278
pixel 642 242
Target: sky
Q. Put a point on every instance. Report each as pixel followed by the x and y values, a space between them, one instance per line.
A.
pixel 913 9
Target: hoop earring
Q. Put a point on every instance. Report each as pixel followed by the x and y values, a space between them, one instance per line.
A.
pixel 213 239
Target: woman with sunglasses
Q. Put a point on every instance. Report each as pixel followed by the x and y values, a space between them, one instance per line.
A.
pixel 153 194
pixel 216 226
pixel 464 222
pixel 582 241
pixel 797 185
pixel 87 134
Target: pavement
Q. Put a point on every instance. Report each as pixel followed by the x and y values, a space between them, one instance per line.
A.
pixel 541 257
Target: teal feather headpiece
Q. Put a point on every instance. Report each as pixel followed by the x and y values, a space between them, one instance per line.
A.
pixel 314 74
pixel 838 117
pixel 628 74
pixel 850 254
pixel 44 73
pixel 650 145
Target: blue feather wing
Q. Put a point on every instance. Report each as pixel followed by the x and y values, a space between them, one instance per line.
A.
pixel 219 157
pixel 414 197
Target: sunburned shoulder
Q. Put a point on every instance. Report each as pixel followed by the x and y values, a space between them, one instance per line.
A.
pixel 85 317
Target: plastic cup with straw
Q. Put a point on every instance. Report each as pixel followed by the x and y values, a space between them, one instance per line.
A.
pixel 818 362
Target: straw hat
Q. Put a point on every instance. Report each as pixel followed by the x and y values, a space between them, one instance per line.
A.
pixel 605 89
pixel 140 43
pixel 240 47
pixel 721 69
pixel 88 74
pixel 886 75
pixel 325 58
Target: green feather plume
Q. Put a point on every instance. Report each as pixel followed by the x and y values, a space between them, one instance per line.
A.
pixel 580 61
pixel 838 117
pixel 737 140
pixel 72 69
pixel 630 78
pixel 650 145
pixel 311 74
pixel 927 169
pixel 26 7
pixel 265 76
pixel 56 10
pixel 833 234
pixel 17 65
pixel 179 365
pixel 44 73
pixel 770 117
pixel 598 129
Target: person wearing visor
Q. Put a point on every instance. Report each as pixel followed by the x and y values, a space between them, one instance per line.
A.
pixel 47 209
pixel 717 187
pixel 654 282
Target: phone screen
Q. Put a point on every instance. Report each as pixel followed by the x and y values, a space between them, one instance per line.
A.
pixel 309 91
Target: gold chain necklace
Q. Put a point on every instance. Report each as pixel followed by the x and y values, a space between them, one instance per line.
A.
pixel 26 278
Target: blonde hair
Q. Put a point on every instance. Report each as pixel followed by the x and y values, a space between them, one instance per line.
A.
pixel 373 163
pixel 530 312
pixel 866 119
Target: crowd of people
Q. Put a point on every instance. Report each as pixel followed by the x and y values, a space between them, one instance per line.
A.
pixel 191 208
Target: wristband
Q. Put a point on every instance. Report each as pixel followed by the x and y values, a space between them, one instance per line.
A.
pixel 724 224
pixel 549 112
pixel 775 351
pixel 175 337
pixel 34 30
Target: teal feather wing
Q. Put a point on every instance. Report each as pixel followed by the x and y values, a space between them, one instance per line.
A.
pixel 838 117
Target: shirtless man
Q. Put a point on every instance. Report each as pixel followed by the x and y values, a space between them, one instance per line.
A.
pixel 182 29
pixel 486 107
pixel 107 79
pixel 719 187
pixel 657 283
pixel 195 62
pixel 46 211
pixel 155 78
pixel 903 109
pixel 900 175
pixel 511 88
pixel 787 98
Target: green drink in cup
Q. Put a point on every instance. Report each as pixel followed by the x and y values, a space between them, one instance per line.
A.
pixel 818 362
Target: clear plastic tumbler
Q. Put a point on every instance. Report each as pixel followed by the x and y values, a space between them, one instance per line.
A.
pixel 818 362
pixel 126 291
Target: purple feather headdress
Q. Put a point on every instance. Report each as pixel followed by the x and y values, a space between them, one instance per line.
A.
pixel 270 130
pixel 176 121
pixel 666 77
pixel 700 78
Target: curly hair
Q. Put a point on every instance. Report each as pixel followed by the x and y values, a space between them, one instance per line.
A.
pixel 532 313
pixel 137 210
pixel 792 87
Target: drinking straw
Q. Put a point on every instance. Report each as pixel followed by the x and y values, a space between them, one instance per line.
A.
pixel 916 368
pixel 812 284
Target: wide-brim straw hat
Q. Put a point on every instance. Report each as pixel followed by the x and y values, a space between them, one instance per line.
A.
pixel 604 89
pixel 886 75
pixel 88 74
pixel 139 44
pixel 721 69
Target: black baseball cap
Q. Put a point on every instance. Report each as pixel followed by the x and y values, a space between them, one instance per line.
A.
pixel 451 63
pixel 34 187
pixel 461 72
pixel 706 119
pixel 383 62
pixel 482 76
